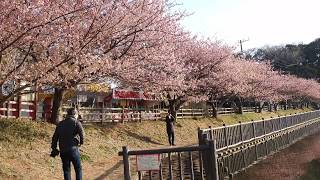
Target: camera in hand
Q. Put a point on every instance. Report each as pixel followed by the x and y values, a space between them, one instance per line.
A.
pixel 54 153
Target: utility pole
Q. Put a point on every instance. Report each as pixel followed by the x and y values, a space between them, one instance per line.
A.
pixel 242 41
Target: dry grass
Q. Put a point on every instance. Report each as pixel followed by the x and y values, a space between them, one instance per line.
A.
pixel 25 145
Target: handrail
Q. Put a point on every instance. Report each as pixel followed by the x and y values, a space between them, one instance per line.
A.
pixel 249 122
pixel 166 150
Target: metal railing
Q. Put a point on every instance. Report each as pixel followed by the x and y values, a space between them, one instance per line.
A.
pixel 176 163
pixel 224 151
pixel 243 144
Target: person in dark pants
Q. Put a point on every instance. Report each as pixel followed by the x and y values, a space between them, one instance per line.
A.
pixel 170 128
pixel 69 133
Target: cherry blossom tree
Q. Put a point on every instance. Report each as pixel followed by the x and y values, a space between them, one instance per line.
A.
pixel 137 42
pixel 63 43
pixel 179 77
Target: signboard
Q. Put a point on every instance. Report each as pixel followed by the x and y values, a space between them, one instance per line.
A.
pixel 148 162
pixel 7 87
pixel 133 95
pixel 123 94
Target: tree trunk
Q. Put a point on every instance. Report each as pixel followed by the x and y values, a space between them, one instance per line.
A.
pixel 56 106
pixel 294 105
pixel 214 109
pixel 175 104
pixel 239 106
pixel 240 109
pixel 275 107
pixel 172 109
pixel 256 107
pixel 260 107
pixel 301 105
pixel 270 107
pixel 285 105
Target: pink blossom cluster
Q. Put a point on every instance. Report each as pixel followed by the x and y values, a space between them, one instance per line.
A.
pixel 138 43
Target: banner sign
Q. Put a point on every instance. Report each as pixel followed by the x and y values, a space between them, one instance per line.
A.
pixel 122 94
pixel 148 162
pixel 133 95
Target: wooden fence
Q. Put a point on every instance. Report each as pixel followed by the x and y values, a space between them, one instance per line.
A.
pixel 223 151
pixel 14 109
pixel 175 163
pixel 29 109
pixel 94 115
pixel 243 144
pixel 102 115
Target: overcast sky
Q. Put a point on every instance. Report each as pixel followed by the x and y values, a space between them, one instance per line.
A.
pixel 263 22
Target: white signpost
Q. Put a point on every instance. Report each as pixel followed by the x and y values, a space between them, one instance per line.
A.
pixel 148 162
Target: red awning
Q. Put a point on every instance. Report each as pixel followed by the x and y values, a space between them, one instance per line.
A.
pixel 132 95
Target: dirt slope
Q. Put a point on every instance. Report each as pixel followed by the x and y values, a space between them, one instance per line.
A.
pixel 25 145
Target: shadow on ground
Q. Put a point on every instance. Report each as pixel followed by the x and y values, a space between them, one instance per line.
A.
pixel 109 171
pixel 142 138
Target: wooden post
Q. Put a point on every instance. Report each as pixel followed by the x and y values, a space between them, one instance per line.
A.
pixel 192 111
pixel 122 115
pixel 126 163
pixel 273 120
pixel 241 136
pixel 18 106
pixel 225 135
pixel 241 133
pixel 180 167
pixel 35 109
pixel 214 159
pixel 211 133
pixel 170 166
pixel 191 165
pixel 266 142
pixel 287 125
pixel 200 136
pixel 272 125
pixel 103 113
pixel 150 175
pixel 254 136
pixel 8 108
pixel 202 112
pixel 201 165
pixel 209 157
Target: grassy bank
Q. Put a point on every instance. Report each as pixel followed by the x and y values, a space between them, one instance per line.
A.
pixel 25 145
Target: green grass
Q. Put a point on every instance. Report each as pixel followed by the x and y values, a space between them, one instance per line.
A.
pixel 235 118
pixel 84 157
pixel 25 144
pixel 313 171
pixel 21 132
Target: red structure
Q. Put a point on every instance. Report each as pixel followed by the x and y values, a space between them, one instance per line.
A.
pixel 128 98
